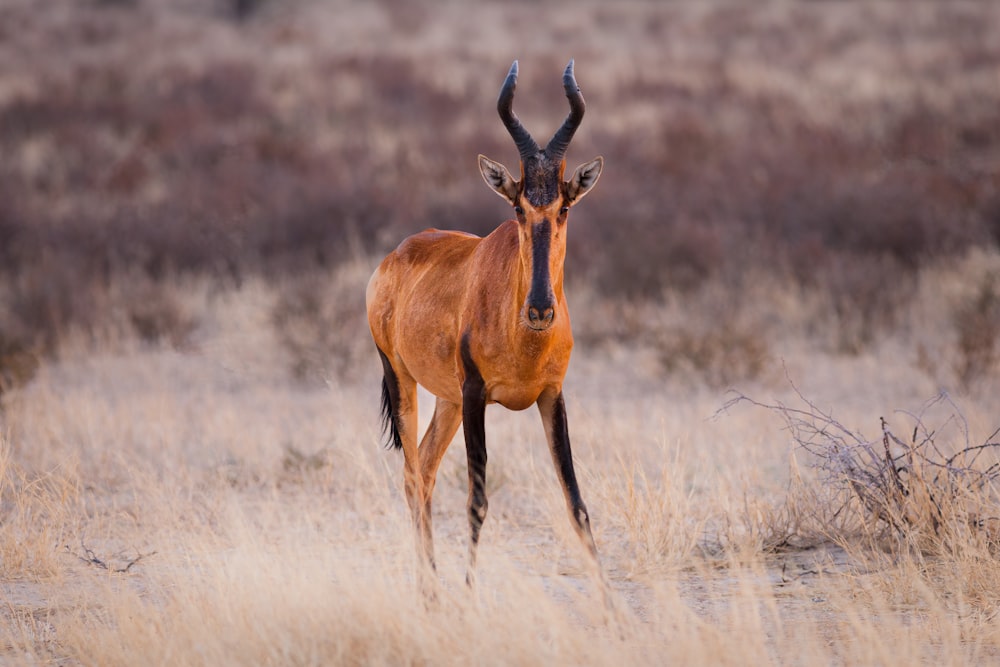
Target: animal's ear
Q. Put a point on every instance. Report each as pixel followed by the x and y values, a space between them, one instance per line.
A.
pixel 584 179
pixel 498 178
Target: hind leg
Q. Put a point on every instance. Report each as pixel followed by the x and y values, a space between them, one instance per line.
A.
pixel 401 390
pixel 444 424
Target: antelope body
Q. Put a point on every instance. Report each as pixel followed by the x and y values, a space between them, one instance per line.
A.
pixel 484 320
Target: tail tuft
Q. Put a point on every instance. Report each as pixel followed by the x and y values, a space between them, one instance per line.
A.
pixel 390 404
pixel 389 427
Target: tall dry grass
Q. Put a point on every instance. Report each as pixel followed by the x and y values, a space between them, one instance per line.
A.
pixel 209 504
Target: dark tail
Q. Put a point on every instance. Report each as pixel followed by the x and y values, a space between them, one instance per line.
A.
pixel 390 405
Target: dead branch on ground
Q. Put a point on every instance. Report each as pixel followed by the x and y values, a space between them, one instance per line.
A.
pixel 928 485
pixel 90 557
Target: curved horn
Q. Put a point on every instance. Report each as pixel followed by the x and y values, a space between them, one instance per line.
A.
pixel 560 140
pixel 526 146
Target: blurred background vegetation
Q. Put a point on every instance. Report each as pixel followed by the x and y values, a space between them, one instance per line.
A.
pixel 839 150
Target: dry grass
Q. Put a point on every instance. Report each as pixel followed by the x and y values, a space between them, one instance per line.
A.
pixel 258 522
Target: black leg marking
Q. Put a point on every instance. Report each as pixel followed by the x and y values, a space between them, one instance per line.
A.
pixel 390 404
pixel 553 411
pixel 474 425
pixel 562 456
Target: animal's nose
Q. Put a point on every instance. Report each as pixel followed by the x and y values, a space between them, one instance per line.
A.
pixel 541 318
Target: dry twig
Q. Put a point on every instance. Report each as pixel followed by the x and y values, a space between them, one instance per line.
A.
pixel 88 556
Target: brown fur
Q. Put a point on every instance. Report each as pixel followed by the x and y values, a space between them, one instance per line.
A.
pixel 438 285
pixel 474 322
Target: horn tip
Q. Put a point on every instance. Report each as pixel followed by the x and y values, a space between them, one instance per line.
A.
pixel 513 67
pixel 569 78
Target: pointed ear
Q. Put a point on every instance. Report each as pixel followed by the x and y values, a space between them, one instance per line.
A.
pixel 584 179
pixel 498 178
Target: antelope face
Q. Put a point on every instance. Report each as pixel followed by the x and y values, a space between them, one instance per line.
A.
pixel 541 199
pixel 541 212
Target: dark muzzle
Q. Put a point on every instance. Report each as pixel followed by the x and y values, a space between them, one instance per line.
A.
pixel 540 304
pixel 541 318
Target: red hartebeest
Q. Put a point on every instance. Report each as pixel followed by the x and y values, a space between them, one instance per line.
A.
pixel 484 320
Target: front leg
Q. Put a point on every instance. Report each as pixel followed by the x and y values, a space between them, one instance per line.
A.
pixel 553 411
pixel 474 426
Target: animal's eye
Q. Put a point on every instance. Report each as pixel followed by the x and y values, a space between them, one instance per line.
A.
pixel 564 210
pixel 518 210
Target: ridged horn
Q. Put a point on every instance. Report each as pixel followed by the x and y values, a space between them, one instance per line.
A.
pixel 526 146
pixel 560 140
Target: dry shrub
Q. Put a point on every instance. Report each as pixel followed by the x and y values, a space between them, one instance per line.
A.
pixel 931 491
pixel 157 313
pixel 867 296
pixel 46 304
pixel 297 467
pixel 717 334
pixel 720 334
pixel 321 323
pixel 18 363
pixel 720 355
pixel 244 9
pixel 51 298
pixel 977 325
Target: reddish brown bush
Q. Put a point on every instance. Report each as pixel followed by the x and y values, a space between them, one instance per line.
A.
pixel 189 157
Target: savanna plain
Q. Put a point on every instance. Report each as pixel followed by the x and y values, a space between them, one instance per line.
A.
pixel 785 292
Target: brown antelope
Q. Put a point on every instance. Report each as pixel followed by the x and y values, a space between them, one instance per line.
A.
pixel 484 320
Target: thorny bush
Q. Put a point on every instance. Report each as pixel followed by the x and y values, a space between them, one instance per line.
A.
pixel 930 490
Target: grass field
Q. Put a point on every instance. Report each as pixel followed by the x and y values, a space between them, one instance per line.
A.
pixel 204 506
pixel 796 236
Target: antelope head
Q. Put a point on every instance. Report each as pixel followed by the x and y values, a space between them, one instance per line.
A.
pixel 541 198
